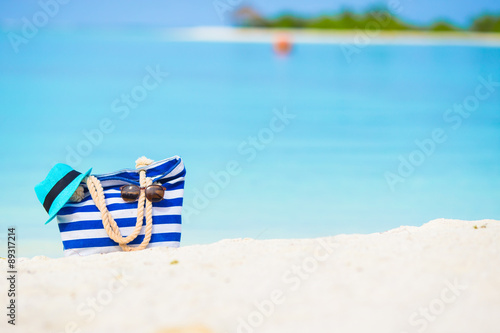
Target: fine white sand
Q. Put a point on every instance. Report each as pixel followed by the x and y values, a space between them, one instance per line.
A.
pixel 441 277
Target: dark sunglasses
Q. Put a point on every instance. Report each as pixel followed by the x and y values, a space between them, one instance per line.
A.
pixel 131 193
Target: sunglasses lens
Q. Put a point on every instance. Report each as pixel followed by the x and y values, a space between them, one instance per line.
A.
pixel 154 193
pixel 130 193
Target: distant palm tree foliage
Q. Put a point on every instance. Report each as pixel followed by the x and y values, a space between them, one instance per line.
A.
pixel 373 19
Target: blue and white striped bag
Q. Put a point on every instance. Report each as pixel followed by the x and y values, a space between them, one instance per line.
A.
pixel 81 225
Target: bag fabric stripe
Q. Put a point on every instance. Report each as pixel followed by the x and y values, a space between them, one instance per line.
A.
pixel 101 233
pixel 122 223
pixel 80 224
pixel 99 242
pixel 113 197
pixel 118 214
pixel 118 206
pixel 109 249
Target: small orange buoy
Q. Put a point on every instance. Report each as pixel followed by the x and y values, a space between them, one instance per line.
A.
pixel 282 45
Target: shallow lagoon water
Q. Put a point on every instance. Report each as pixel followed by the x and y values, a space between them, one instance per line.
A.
pixel 324 173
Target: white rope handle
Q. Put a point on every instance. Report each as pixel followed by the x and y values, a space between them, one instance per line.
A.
pixel 109 224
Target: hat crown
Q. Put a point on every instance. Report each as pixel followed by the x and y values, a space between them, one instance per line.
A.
pixel 57 172
pixel 58 187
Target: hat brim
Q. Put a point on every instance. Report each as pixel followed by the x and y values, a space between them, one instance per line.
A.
pixel 65 195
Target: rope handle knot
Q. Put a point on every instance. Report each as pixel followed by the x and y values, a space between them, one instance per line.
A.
pixel 108 222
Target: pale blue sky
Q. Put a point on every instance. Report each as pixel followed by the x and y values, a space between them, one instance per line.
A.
pixel 98 13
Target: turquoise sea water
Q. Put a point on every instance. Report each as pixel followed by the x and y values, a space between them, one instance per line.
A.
pixel 324 173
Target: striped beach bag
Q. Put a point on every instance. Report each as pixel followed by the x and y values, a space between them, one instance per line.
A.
pixel 127 210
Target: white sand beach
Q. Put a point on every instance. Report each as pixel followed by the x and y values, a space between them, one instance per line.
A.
pixel 441 277
pixel 358 37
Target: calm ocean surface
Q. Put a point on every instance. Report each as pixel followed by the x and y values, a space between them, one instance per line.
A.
pixel 323 174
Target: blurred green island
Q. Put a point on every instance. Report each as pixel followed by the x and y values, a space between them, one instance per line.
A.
pixel 378 18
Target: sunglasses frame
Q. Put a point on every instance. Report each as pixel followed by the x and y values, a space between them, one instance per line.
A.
pixel 140 189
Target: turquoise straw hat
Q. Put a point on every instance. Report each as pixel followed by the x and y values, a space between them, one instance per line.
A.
pixel 56 189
